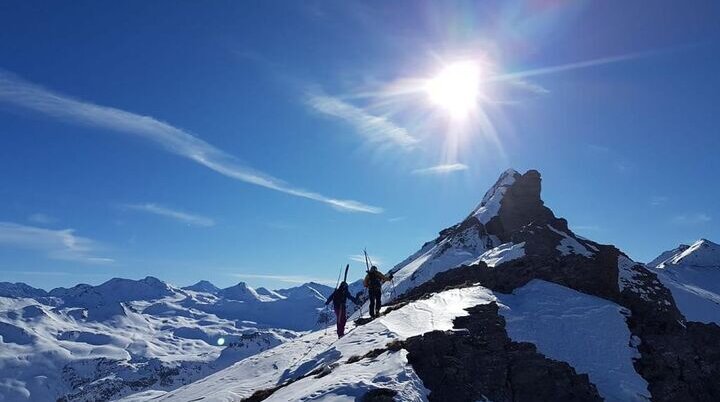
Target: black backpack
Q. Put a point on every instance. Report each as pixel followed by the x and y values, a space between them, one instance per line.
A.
pixel 340 296
pixel 374 281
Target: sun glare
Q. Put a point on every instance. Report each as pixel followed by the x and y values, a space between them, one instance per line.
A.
pixel 456 88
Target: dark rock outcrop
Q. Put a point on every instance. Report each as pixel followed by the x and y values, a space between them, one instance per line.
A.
pixel 483 363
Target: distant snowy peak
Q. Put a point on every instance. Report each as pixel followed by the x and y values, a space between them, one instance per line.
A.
pixel 203 286
pixel 306 291
pixel 19 289
pixel 667 255
pixel 241 292
pixel 115 290
pixel 692 273
pixel 269 293
pixel 702 253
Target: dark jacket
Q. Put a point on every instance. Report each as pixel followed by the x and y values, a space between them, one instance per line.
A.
pixel 340 296
pixel 374 279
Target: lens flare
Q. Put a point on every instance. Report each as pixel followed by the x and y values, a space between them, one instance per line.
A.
pixel 221 341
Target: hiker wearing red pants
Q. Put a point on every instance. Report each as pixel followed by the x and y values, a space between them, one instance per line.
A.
pixel 339 298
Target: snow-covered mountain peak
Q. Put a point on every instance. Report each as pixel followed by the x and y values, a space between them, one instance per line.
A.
pixel 511 217
pixel 702 253
pixel 203 286
pixel 307 290
pixel 692 273
pixel 241 292
pixel 19 289
pixel 490 204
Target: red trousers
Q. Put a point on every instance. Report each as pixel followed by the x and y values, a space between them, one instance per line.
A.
pixel 341 318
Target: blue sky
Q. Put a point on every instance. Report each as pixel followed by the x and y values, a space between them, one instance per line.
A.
pixel 270 142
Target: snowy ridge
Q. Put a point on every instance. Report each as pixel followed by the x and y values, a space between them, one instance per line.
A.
pixel 702 253
pixel 546 314
pixel 667 255
pixel 348 379
pixel 692 274
pixel 490 204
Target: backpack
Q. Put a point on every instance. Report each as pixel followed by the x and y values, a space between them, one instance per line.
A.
pixel 339 296
pixel 374 281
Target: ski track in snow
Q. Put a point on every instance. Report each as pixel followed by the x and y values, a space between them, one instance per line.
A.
pixel 587 332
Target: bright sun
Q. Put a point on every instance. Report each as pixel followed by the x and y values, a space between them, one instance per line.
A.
pixel 456 88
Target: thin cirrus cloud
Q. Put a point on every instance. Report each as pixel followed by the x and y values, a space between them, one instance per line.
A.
pixel 375 129
pixel 441 169
pixel 21 93
pixel 41 218
pixel 180 216
pixel 361 258
pixel 692 219
pixel 61 244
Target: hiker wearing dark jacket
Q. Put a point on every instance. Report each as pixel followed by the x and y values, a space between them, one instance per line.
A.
pixel 339 298
pixel 373 281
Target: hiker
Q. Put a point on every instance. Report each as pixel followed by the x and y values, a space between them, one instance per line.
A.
pixel 373 281
pixel 339 298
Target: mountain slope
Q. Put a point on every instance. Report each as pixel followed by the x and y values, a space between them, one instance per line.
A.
pixel 692 273
pixel 123 336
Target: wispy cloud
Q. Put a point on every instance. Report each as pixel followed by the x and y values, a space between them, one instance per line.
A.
pixel 692 219
pixel 375 129
pixel 190 219
pixel 441 169
pixel 658 200
pixel 57 244
pixel 20 93
pixel 396 219
pixel 286 278
pixel 583 64
pixel 41 219
pixel 361 258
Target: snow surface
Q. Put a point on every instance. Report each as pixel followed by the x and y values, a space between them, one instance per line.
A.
pixel 300 356
pixel 569 245
pixel 460 248
pixel 587 332
pixel 667 255
pixel 490 204
pixel 627 274
pixel 97 336
pixel 693 276
pixel 502 254
pixel 702 253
